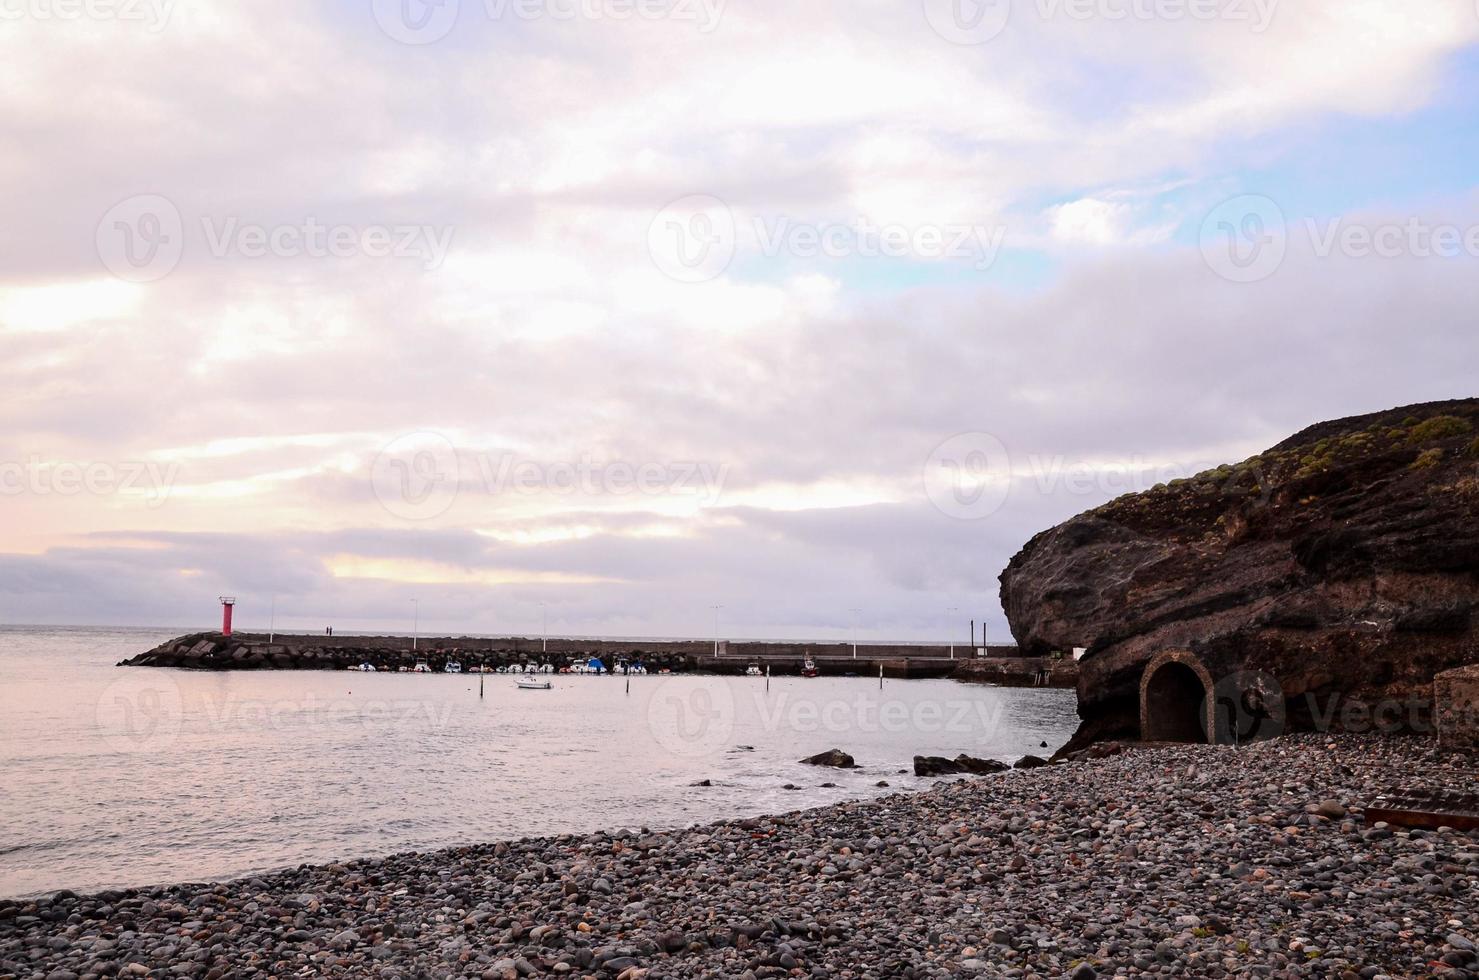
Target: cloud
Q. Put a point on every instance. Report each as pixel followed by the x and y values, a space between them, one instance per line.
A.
pixel 264 388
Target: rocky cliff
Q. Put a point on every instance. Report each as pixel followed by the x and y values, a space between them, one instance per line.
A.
pixel 1335 572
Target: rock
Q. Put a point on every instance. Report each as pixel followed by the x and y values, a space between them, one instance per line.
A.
pixel 979 767
pixel 1343 562
pixel 933 765
pixel 1330 810
pixel 1030 762
pixel 836 758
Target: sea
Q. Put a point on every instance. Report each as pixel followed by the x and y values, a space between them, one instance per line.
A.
pixel 117 777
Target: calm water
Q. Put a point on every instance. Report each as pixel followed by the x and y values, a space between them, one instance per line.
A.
pixel 131 776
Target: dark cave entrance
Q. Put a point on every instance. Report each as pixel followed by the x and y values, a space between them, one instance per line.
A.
pixel 1175 705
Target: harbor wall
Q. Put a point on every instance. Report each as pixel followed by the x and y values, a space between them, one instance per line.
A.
pixel 258 651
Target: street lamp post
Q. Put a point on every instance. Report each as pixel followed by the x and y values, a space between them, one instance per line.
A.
pixel 716 628
pixel 415 622
pixel 272 623
pixel 951 613
pixel 855 614
pixel 543 629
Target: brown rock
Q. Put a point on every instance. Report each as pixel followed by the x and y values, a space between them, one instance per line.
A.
pixel 1334 573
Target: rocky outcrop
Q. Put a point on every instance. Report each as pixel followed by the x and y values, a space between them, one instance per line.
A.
pixel 835 758
pixel 1339 568
pixel 936 765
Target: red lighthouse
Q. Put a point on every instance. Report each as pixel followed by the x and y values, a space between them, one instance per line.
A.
pixel 227 602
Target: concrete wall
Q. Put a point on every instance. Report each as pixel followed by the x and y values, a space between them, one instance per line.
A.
pixel 738 649
pixel 1456 709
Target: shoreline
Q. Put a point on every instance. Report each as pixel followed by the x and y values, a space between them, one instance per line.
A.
pixel 1205 860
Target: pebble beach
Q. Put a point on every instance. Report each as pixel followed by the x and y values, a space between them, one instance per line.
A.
pixel 1192 861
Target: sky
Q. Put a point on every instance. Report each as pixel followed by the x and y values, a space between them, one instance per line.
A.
pixel 497 316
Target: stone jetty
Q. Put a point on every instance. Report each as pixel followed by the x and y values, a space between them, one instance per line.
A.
pixel 257 651
pixel 1189 861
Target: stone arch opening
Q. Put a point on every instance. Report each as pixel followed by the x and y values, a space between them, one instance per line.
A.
pixel 1175 698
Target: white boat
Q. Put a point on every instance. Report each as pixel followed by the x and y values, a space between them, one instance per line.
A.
pixel 753 671
pixel 422 667
pixel 530 683
pixel 453 667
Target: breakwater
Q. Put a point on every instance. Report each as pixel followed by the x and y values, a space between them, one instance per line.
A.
pixel 258 651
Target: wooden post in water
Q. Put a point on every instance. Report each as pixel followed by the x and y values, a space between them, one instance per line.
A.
pixel 880 676
pixel 767 678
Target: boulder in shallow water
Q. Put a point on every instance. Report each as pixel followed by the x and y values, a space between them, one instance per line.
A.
pixel 934 765
pixel 836 758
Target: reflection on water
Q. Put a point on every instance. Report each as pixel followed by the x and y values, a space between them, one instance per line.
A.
pixel 128 776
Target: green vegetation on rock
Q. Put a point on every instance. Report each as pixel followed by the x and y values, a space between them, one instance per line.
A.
pixel 1439 427
pixel 1428 459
